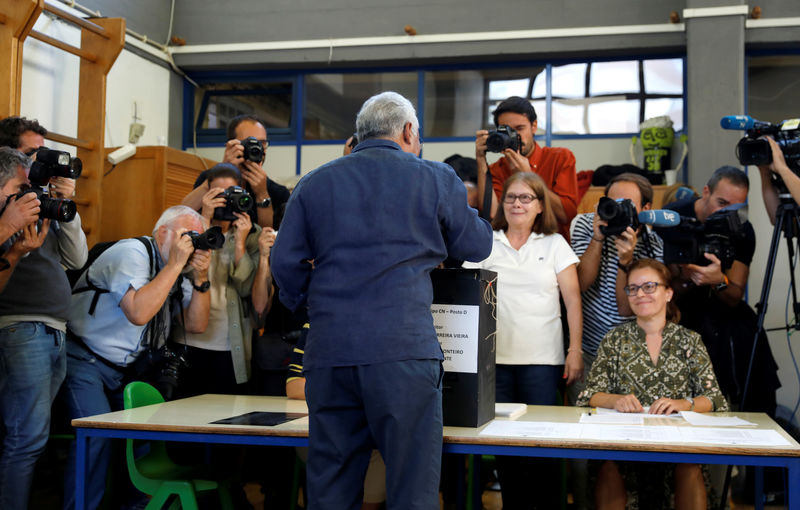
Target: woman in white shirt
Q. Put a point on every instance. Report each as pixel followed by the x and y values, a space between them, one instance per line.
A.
pixel 534 265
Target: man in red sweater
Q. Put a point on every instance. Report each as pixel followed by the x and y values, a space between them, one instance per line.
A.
pixel 556 165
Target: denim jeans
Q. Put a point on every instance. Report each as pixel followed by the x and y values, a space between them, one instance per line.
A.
pixel 90 388
pixel 32 368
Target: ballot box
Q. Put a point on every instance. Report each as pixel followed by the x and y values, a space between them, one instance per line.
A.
pixel 463 312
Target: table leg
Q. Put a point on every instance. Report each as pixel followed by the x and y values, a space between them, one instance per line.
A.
pixel 80 468
pixel 793 485
pixel 758 486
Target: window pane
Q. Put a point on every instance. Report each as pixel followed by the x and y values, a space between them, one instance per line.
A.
pixel 458 103
pixel 663 76
pixel 665 106
pixel 333 100
pixel 615 116
pixel 772 88
pixel 569 81
pixel 501 89
pixel 540 86
pixel 614 78
pixel 272 102
pixel 568 117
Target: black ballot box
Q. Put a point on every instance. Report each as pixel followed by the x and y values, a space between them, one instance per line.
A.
pixel 463 312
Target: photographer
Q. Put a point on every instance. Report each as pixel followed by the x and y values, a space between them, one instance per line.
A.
pixel 555 165
pixel 19 214
pixel 270 196
pixel 219 357
pixel 789 178
pixel 710 297
pixel 34 308
pixel 111 327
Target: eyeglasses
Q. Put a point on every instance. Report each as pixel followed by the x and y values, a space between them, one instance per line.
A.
pixel 525 198
pixel 647 287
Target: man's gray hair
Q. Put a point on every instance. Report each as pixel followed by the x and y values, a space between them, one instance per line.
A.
pixel 173 213
pixel 10 161
pixel 384 116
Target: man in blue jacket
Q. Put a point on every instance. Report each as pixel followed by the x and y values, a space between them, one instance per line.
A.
pixel 359 239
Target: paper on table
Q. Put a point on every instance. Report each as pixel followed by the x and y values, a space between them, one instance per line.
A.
pixel 538 429
pixel 613 419
pixel 509 410
pixel 699 419
pixel 743 437
pixel 645 412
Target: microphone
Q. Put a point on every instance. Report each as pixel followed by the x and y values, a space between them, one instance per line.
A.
pixel 737 122
pixel 660 218
pixel 683 193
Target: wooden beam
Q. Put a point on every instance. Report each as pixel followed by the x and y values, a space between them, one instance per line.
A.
pixel 20 15
pixel 91 57
pixel 81 22
pixel 91 116
pixel 75 142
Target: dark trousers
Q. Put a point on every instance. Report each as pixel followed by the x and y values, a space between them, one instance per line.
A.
pixel 527 482
pixel 394 406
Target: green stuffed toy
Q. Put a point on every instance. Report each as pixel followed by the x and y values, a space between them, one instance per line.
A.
pixel 658 138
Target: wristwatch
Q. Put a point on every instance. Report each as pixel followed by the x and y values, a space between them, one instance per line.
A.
pixel 691 401
pixel 203 287
pixel 723 284
pixel 264 203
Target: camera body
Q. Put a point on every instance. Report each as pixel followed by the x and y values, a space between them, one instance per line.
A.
pixel 237 200
pixel 52 163
pixel 253 150
pixel 171 365
pixel 752 149
pixel 211 239
pixel 688 242
pixel 502 138
pixel 59 209
pixel 620 214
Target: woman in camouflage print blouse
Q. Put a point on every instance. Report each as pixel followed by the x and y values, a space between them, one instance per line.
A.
pixel 652 362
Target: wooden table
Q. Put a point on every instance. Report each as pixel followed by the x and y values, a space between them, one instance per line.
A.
pixel 190 420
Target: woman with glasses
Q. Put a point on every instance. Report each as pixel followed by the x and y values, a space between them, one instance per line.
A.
pixel 534 266
pixel 652 365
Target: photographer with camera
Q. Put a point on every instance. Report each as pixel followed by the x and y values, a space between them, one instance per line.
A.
pixel 709 292
pixel 34 308
pixel 515 119
pixel 246 149
pixel 782 170
pixel 18 213
pixel 219 357
pixel 123 304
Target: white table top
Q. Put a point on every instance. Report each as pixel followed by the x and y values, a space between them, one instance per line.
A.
pixel 194 415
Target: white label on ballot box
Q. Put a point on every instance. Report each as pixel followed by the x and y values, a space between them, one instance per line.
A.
pixel 457 329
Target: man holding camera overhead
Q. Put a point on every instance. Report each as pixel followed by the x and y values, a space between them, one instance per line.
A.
pixel 246 148
pixel 34 308
pixel 781 169
pixel 555 165
pixel 123 303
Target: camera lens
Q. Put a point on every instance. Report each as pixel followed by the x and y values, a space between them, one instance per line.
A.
pixel 245 203
pixel 58 209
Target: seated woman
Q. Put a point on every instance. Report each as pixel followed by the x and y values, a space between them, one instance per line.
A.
pixel 652 362
pixel 534 266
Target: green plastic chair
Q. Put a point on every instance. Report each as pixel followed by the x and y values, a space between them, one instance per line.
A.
pixel 155 474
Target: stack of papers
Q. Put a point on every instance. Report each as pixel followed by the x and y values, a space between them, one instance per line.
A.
pixel 510 411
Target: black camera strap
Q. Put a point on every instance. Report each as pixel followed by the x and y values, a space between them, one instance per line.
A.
pixel 486 212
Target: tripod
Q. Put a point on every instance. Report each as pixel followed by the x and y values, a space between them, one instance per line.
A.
pixel 787 222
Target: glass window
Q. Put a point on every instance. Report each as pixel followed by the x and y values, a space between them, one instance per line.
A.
pixel 218 103
pixel 619 96
pixel 333 100
pixel 458 103
pixel 772 85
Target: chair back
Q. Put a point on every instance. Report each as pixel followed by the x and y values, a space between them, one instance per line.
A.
pixel 139 394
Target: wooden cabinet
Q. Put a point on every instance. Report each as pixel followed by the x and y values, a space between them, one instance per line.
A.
pixel 136 191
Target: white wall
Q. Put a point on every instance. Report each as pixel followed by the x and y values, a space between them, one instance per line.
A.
pixel 50 89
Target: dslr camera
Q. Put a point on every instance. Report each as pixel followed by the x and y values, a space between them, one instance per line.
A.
pixel 59 209
pixel 620 214
pixel 211 239
pixel 502 138
pixel 237 200
pixel 171 363
pixel 688 242
pixel 52 163
pixel 253 150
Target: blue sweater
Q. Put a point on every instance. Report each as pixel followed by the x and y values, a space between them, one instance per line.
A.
pixel 375 223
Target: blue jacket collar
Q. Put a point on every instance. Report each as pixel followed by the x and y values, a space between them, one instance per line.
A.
pixel 377 143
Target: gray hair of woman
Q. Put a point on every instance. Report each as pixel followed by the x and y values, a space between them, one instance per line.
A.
pixel 384 116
